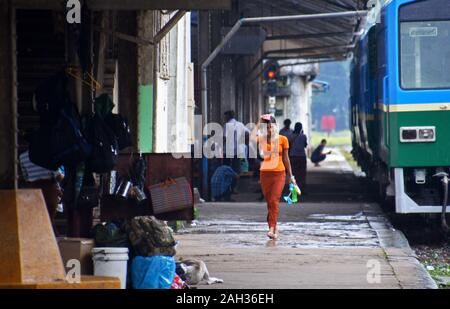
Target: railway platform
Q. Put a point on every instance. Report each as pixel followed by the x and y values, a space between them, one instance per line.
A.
pixel 337 237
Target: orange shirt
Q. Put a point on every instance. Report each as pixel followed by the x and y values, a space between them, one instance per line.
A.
pixel 273 156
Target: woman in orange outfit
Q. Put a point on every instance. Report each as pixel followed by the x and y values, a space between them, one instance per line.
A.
pixel 274 148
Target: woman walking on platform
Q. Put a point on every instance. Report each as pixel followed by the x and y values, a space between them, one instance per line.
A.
pixel 274 148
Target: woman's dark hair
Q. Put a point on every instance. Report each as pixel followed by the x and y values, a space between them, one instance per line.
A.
pixel 298 128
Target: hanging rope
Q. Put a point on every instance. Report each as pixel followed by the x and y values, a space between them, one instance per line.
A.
pixel 86 78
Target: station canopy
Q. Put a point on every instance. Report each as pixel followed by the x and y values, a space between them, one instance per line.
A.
pixel 322 39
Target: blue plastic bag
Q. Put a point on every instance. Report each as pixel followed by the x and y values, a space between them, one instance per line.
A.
pixel 152 272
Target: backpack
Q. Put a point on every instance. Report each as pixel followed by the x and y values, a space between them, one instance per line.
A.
pixel 119 125
pixel 60 144
pixel 150 236
pixel 59 139
pixel 104 153
pixel 110 235
pixel 69 146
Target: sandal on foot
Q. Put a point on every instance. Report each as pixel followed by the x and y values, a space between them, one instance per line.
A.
pixel 271 235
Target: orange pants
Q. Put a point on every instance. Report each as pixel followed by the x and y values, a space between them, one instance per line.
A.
pixel 272 184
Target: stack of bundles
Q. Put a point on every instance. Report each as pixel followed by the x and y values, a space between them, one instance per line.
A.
pixel 154 247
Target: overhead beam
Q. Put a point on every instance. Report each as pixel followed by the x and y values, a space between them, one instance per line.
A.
pixel 124 36
pixel 305 55
pixel 310 60
pixel 308 35
pixel 319 60
pixel 129 5
pixel 140 41
pixel 309 56
pixel 167 27
pixel 325 55
pixel 306 49
pixel 335 49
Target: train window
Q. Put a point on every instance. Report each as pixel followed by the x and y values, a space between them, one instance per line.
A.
pixel 425 55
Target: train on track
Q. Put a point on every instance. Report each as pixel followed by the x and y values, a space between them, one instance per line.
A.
pixel 400 105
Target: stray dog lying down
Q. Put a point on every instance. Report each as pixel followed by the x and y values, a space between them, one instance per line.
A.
pixel 195 272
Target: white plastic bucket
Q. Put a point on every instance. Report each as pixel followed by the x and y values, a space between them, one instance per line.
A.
pixel 111 262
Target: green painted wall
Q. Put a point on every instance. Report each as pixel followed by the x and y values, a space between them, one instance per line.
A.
pixel 145 119
pixel 420 154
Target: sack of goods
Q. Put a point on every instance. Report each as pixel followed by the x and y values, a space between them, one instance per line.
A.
pixel 150 236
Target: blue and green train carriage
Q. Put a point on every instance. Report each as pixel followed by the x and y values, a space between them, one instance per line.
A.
pixel 400 100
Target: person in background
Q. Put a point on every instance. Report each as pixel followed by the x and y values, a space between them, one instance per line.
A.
pixel 318 155
pixel 223 182
pixel 297 154
pixel 286 131
pixel 274 149
pixel 235 133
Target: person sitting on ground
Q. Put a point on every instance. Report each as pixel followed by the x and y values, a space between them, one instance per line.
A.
pixel 223 182
pixel 318 155
pixel 286 131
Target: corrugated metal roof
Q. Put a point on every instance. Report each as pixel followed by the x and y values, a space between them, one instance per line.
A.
pixel 312 33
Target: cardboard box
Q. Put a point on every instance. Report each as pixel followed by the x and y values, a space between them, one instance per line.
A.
pixel 80 249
